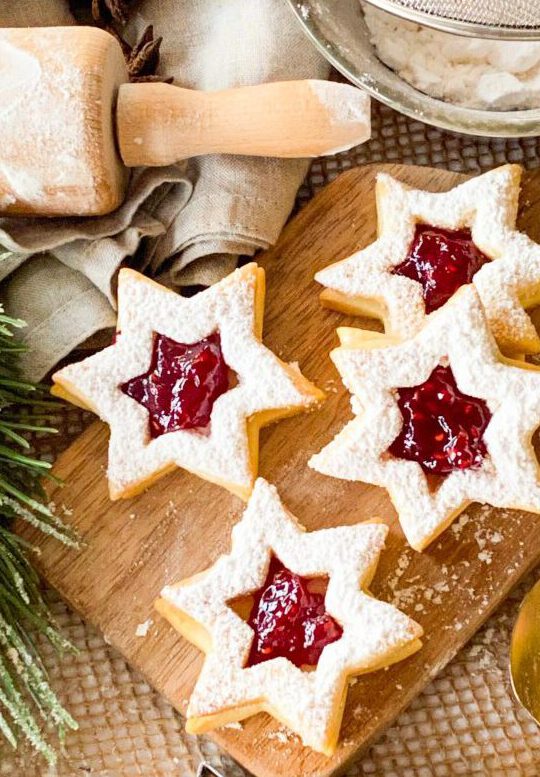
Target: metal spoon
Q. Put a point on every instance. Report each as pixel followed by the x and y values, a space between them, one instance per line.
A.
pixel 525 653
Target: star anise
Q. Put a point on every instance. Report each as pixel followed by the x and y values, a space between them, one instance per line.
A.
pixel 110 10
pixel 143 58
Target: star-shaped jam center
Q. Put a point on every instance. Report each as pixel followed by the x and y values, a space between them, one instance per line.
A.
pixel 181 385
pixel 289 618
pixel 441 260
pixel 443 428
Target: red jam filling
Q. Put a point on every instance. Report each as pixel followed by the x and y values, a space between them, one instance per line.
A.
pixel 182 384
pixel 290 620
pixel 441 260
pixel 443 428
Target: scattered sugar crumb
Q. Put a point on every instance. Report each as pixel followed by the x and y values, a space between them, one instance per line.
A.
pixel 283 735
pixel 485 536
pixel 171 509
pixel 143 628
pixel 358 711
pixel 442 587
pixel 404 561
pixel 235 725
pixel 457 526
pixel 330 387
pixel 402 564
pixel 485 556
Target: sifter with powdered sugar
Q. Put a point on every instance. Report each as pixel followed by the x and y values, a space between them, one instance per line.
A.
pixel 470 66
pixel 497 19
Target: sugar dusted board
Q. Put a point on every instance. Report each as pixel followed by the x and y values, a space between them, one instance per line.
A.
pixel 182 524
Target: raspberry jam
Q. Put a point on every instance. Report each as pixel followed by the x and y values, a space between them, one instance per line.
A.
pixel 443 429
pixel 441 260
pixel 290 620
pixel 182 384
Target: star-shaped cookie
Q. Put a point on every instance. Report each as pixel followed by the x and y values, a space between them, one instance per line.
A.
pixel 375 634
pixel 366 283
pixel 374 367
pixel 224 323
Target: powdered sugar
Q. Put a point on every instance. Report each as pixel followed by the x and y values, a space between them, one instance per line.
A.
pixel 45 89
pixel 19 73
pixel 343 106
pixel 57 89
pixel 478 73
pixel 488 206
pixel 374 634
pixel 143 628
pixel 264 382
pixel 457 334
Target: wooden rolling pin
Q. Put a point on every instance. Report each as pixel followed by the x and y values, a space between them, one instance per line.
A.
pixel 70 124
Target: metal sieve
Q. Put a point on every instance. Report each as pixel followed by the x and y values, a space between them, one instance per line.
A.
pixel 501 19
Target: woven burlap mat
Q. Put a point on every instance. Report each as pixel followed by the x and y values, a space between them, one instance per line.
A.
pixel 466 722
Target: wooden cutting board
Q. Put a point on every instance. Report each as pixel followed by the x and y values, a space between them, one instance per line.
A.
pixel 179 527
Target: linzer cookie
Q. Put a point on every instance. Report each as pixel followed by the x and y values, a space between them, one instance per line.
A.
pixel 442 419
pixel 285 619
pixel 430 245
pixel 187 383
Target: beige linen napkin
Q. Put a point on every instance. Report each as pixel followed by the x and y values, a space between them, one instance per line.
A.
pixel 185 224
pixel 28 13
pixel 239 204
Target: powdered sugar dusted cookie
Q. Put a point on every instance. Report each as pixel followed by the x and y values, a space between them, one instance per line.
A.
pixel 442 419
pixel 187 383
pixel 431 244
pixel 288 649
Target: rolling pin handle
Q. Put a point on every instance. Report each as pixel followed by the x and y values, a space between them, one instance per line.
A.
pixel 159 124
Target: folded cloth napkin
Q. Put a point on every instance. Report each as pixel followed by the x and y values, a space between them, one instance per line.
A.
pixel 185 224
pixel 29 13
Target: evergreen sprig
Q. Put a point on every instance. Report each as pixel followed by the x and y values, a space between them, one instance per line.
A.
pixel 28 704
